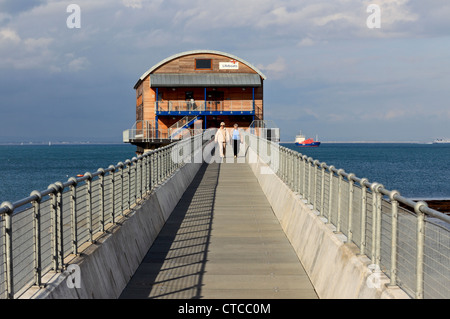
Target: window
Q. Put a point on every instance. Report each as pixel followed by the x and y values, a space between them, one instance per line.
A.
pixel 189 95
pixel 203 64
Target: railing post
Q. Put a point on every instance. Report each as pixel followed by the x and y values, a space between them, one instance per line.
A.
pixel 57 223
pixel 172 155
pixel 7 230
pixel 281 160
pixel 112 170
pixel 61 223
pixel 166 164
pixel 316 165
pixel 157 167
pixel 73 213
pixel 135 161
pixel 141 176
pixel 177 155
pixel 37 238
pixel 308 197
pixel 339 208
pixel 146 174
pixel 168 158
pixel 350 208
pixel 298 172
pixel 362 247
pixel 394 223
pixel 420 248
pixel 322 190
pixel 89 205
pixel 121 165
pixel 128 165
pixel 143 168
pixel 153 169
pixel 376 223
pixel 292 172
pixel 282 175
pixel 378 229
pixel 374 220
pixel 102 199
pixel 330 194
pixel 288 168
pixel 305 159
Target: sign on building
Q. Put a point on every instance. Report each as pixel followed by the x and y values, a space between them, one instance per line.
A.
pixel 232 65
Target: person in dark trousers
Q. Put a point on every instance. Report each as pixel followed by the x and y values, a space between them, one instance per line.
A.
pixel 236 136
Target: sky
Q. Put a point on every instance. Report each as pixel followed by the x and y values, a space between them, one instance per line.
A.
pixel 328 73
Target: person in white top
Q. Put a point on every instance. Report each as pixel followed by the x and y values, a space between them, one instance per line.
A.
pixel 222 138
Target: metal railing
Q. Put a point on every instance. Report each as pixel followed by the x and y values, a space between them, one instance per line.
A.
pixel 176 130
pixel 39 233
pixel 152 134
pixel 407 240
pixel 201 106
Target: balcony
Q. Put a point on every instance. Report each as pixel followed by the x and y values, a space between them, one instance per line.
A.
pixel 225 107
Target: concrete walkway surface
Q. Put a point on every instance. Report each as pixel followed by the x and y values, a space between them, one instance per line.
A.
pixel 221 241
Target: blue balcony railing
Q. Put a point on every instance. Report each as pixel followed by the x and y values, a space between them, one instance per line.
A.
pixel 226 107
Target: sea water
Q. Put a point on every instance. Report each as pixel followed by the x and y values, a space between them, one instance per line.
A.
pixel 24 168
pixel 418 171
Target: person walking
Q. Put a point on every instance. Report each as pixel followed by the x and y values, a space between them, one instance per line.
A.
pixel 222 138
pixel 236 136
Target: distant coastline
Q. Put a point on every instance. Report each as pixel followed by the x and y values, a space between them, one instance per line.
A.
pixel 120 143
pixel 56 143
pixel 366 142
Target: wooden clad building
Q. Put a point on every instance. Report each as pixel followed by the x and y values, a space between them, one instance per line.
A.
pixel 201 88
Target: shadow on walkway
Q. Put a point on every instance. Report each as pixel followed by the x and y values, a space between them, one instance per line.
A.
pixel 175 264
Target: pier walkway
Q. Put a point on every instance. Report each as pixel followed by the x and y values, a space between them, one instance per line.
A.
pixel 169 225
pixel 221 241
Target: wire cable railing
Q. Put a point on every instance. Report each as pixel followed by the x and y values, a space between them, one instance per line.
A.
pixel 405 239
pixel 39 233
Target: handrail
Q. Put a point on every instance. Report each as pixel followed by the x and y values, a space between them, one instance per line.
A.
pixel 423 207
pixel 378 226
pixel 104 195
pixel 177 106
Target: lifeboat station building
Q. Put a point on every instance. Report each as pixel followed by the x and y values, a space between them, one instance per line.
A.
pixel 194 89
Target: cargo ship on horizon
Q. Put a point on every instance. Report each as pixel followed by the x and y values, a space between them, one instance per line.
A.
pixel 300 140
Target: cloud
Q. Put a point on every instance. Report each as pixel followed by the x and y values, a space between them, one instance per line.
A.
pixel 306 42
pixel 78 64
pixel 8 36
pixel 35 54
pixel 135 4
pixel 276 69
pixel 319 56
pixel 14 7
pixel 28 53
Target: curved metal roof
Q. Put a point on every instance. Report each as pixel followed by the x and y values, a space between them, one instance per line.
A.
pixel 205 80
pixel 178 55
